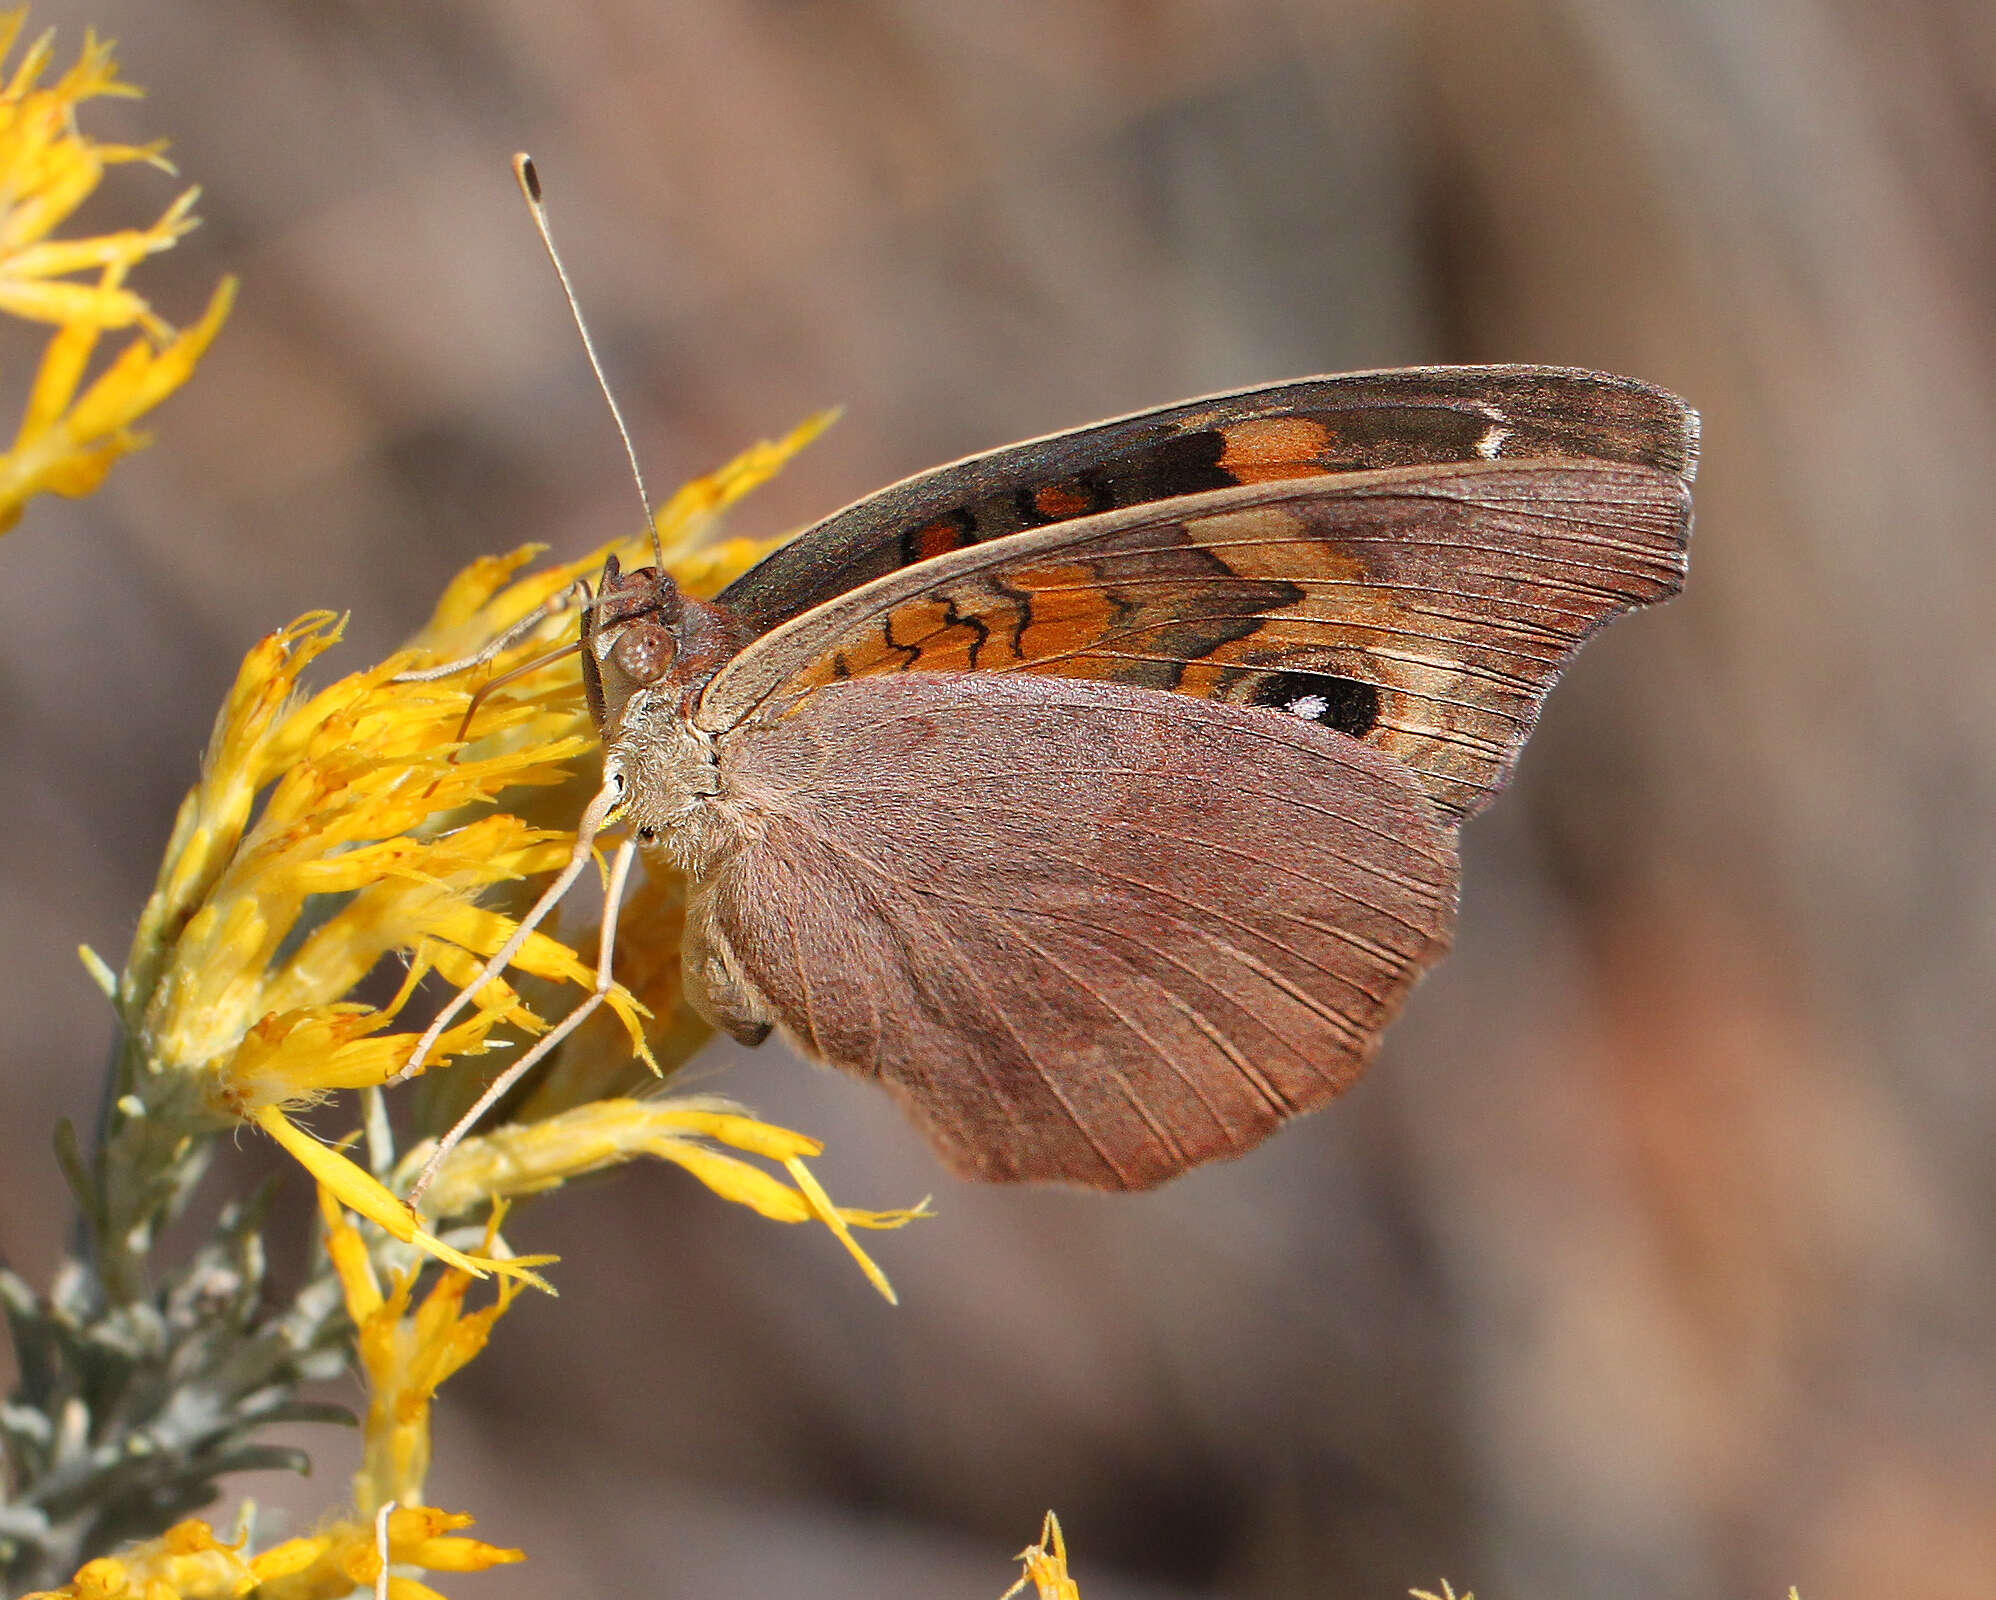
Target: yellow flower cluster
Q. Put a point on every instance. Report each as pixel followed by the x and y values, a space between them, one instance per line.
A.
pixel 317 843
pixel 69 434
pixel 188 1562
pixel 333 830
pixel 336 830
pixel 407 1349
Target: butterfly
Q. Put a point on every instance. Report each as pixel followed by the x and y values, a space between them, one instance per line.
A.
pixel 1099 795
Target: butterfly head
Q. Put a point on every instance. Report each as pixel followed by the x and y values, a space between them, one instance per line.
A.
pixel 645 643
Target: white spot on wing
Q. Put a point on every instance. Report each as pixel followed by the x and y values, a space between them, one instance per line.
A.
pixel 1310 707
pixel 1492 441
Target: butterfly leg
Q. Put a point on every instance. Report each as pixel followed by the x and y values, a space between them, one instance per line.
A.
pixel 620 869
pixel 713 981
pixel 585 843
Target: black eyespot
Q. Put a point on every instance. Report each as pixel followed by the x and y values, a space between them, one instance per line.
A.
pixel 1344 704
pixel 647 835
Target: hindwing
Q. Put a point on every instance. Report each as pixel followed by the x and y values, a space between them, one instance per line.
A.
pixel 1088 934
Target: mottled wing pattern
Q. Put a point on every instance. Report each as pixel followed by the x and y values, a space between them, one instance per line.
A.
pixel 1312 427
pixel 1086 932
pixel 1425 611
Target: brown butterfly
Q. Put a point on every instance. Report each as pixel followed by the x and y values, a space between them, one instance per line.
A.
pixel 1099 795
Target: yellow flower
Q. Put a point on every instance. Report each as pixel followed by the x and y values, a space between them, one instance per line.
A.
pixel 66 441
pixel 1046 1566
pixel 406 1351
pixel 318 843
pixel 182 1563
pixel 528 1158
pixel 185 1561
pixel 332 1563
pixel 332 831
pixel 188 1562
pixel 685 519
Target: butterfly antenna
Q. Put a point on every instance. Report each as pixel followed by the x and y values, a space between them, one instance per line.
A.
pixel 530 187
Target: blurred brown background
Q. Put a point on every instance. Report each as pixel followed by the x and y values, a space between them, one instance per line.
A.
pixel 1655 1257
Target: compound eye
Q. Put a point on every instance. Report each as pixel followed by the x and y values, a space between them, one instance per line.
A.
pixel 643 652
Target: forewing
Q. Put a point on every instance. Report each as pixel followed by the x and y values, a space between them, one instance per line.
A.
pixel 1088 933
pixel 1425 611
pixel 1362 421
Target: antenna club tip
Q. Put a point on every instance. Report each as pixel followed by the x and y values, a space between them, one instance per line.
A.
pixel 530 179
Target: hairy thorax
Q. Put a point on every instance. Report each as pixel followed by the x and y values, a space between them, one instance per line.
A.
pixel 676 798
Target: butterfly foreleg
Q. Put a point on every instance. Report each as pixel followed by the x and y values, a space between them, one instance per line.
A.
pixel 620 871
pixel 713 978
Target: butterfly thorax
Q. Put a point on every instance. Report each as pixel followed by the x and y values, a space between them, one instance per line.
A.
pixel 675 799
